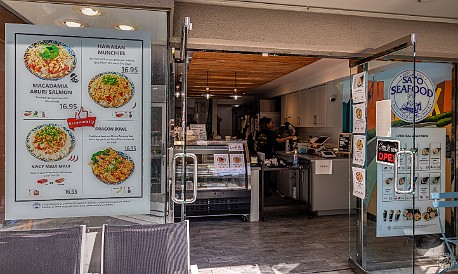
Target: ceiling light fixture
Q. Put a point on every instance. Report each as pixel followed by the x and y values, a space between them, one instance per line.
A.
pixel 73 24
pixel 90 11
pixel 207 90
pixel 125 27
pixel 235 95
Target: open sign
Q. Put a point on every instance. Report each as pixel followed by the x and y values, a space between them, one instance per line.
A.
pixel 386 151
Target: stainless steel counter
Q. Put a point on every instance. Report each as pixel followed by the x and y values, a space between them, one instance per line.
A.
pixel 326 194
pixel 289 157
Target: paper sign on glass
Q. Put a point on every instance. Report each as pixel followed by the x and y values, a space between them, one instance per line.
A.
pixel 221 161
pixel 237 160
pixel 359 118
pixel 359 182
pixel 358 88
pixel 383 118
pixel 359 149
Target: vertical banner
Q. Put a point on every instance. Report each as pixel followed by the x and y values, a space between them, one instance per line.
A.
pixel 359 182
pixel 78 111
pixel 359 118
pixel 358 88
pixel 359 150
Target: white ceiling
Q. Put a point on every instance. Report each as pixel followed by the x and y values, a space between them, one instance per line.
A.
pixel 155 21
pixel 55 14
pixel 422 10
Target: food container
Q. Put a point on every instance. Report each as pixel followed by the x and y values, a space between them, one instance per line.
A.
pixel 302 148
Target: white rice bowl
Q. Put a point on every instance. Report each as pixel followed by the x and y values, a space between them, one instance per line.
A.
pixel 52 152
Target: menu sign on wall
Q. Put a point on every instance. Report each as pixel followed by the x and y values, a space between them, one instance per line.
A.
pixel 75 120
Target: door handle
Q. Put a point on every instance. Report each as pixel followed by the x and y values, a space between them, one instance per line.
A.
pixel 411 155
pixel 194 185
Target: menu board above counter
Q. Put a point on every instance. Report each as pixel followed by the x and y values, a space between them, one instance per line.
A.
pixel 76 114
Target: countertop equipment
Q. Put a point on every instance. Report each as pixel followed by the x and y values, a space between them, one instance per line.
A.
pixel 320 150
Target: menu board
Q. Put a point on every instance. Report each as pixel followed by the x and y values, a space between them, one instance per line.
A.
pixel 344 143
pixel 396 213
pixel 76 116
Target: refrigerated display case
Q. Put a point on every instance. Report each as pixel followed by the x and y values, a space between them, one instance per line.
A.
pixel 222 188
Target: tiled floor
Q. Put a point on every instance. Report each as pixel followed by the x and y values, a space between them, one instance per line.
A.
pixel 282 244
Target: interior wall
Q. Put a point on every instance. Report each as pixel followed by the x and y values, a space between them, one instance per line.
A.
pixel 297 32
pixel 225 113
pixel 5 17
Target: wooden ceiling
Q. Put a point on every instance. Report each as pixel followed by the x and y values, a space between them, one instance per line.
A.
pixel 250 70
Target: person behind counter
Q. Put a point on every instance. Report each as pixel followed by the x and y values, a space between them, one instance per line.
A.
pixel 266 138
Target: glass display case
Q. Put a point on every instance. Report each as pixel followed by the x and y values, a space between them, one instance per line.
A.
pixel 223 186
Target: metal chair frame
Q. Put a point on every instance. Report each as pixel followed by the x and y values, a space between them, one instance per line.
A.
pixel 452 240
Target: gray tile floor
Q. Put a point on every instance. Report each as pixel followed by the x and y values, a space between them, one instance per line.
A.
pixel 282 244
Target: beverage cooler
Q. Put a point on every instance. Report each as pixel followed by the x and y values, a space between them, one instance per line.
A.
pixel 223 185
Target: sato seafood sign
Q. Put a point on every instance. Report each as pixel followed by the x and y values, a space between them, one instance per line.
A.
pixel 404 87
pixel 386 151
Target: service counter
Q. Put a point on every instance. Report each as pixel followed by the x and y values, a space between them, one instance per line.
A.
pixel 324 184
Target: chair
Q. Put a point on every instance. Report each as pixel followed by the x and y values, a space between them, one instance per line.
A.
pixel 41 251
pixel 146 249
pixel 452 240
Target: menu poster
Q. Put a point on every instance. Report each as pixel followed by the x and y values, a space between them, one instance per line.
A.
pixel 76 115
pixel 359 118
pixel 387 188
pixel 199 130
pixel 359 150
pixel 358 88
pixel 220 161
pixel 359 182
pixel 397 213
pixel 237 161
pixel 435 159
pixel 423 156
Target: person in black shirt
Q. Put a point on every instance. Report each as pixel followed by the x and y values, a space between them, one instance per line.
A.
pixel 266 138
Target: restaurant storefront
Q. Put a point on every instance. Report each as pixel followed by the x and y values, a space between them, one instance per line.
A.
pixel 134 133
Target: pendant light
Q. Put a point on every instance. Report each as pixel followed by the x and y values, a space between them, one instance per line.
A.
pixel 235 95
pixel 207 90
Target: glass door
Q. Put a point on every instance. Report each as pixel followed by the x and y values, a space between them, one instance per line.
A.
pixel 401 117
pixel 183 177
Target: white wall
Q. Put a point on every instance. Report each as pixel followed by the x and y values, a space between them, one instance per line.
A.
pixel 334 118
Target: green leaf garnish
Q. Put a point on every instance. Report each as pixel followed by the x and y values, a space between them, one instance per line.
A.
pixel 49 52
pixel 102 152
pixel 53 132
pixel 110 80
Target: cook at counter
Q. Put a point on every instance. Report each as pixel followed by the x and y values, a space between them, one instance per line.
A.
pixel 266 139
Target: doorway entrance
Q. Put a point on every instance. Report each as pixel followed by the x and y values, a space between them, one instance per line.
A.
pixel 401 123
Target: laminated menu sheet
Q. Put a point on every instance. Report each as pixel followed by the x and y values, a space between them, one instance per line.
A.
pixel 396 212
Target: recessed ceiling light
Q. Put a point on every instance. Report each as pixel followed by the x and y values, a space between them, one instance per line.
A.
pixel 125 27
pixel 90 11
pixel 73 24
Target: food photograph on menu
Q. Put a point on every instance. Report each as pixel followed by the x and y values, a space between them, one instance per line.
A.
pixel 111 167
pixel 111 89
pixel 50 142
pixel 50 60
